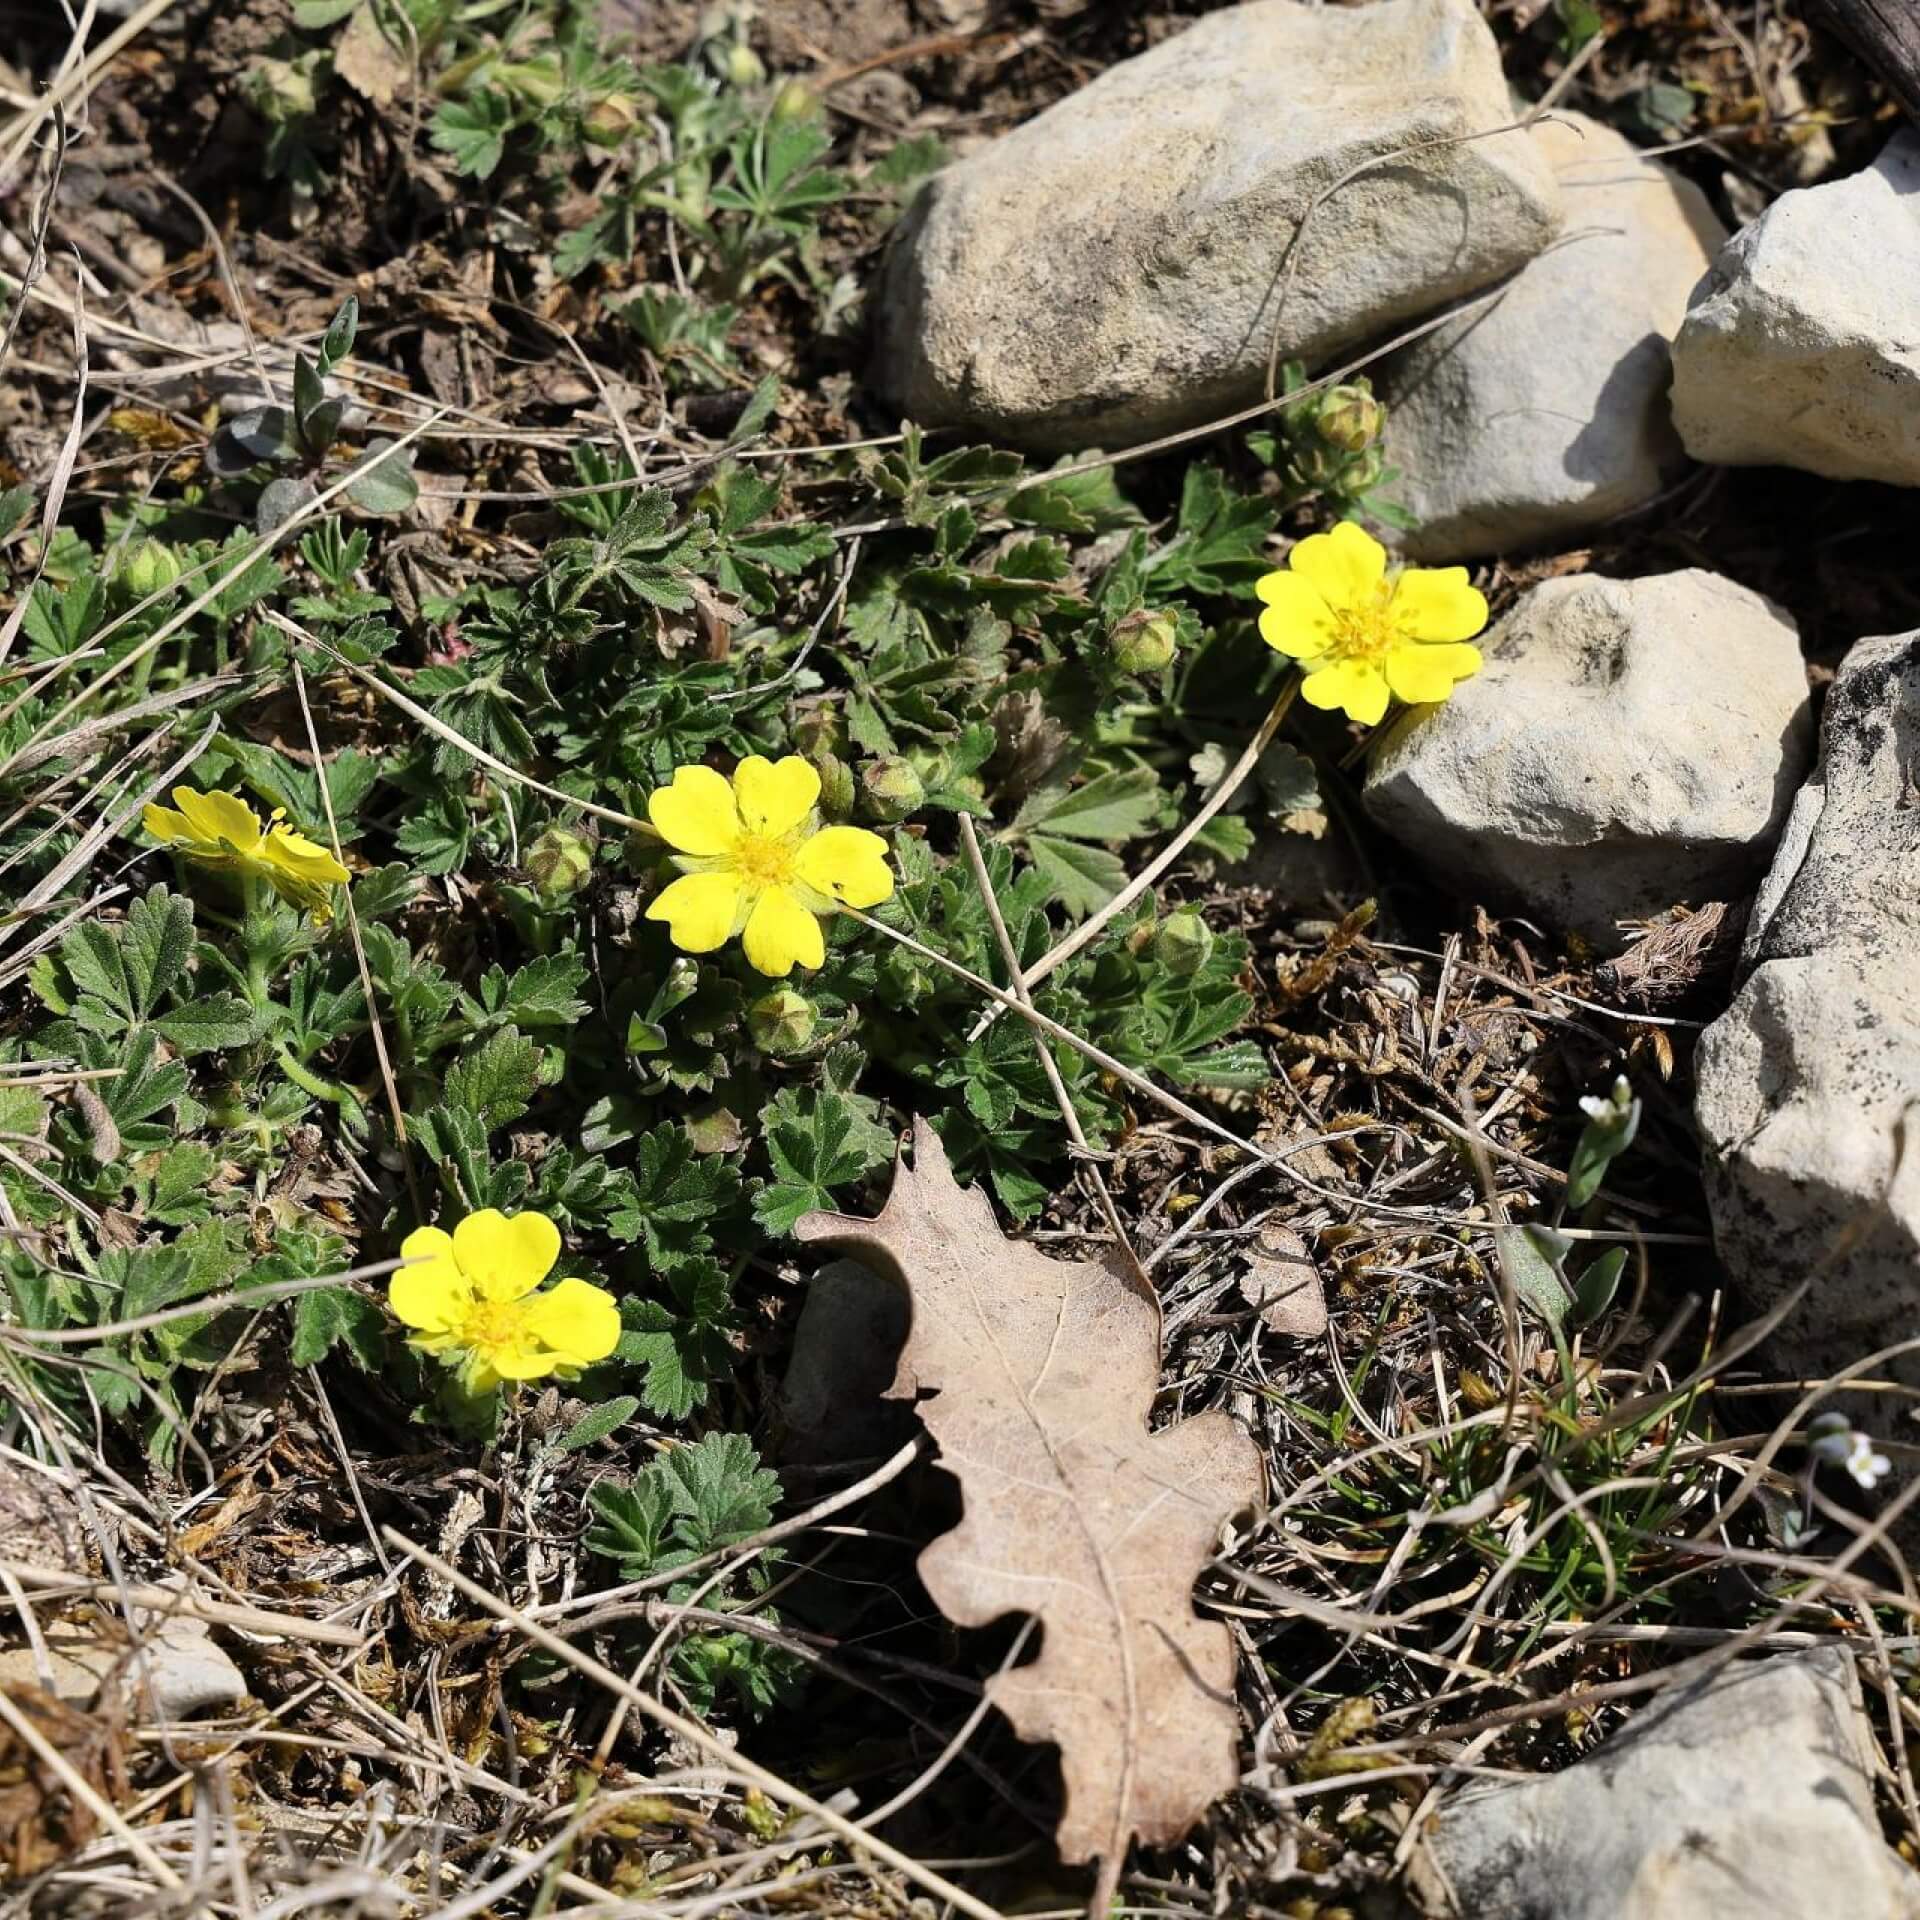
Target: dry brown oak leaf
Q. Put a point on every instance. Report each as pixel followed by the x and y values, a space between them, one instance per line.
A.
pixel 1035 1377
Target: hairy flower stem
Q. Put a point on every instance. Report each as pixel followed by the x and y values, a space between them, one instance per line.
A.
pixel 316 1084
pixel 254 933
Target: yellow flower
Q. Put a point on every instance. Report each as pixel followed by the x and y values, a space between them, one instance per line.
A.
pixel 469 1296
pixel 1359 636
pixel 755 861
pixel 221 830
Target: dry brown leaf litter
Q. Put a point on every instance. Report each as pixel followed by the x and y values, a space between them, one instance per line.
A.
pixel 1036 1377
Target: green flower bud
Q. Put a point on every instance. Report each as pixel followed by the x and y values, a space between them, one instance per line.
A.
pixel 892 788
pixel 1350 418
pixel 836 786
pixel 744 67
pixel 818 731
pixel 1144 642
pixel 148 568
pixel 281 89
pixel 1184 944
pixel 558 864
pixel 782 1022
pixel 795 101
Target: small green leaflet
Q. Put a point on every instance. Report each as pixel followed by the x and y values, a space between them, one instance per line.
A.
pixel 1082 878
pixel 1058 821
pixel 684 1347
pixel 496 1081
pixel 818 1142
pixel 1111 807
pixel 332 1317
pixel 714 1493
pixel 598 1422
pixel 474 132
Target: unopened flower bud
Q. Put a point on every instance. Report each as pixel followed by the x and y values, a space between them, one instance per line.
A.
pixel 1184 944
pixel 1350 418
pixel 1144 642
pixel 148 568
pixel 744 67
pixel 816 731
pixel 892 788
pixel 558 863
pixel 283 88
pixel 836 786
pixel 782 1022
pixel 608 121
pixel 795 101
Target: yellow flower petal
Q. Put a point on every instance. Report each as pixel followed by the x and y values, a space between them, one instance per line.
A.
pixel 432 1295
pixel 700 910
pixel 578 1322
pixel 166 825
pixel 219 816
pixel 1437 603
pixel 781 934
pixel 1348 565
pixel 1357 685
pixel 696 814
pixel 513 1363
pixel 1296 621
pixel 847 864
pixel 301 856
pixel 506 1257
pixel 1421 674
pixel 774 796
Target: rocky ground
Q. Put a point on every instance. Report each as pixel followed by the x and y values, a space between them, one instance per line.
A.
pixel 1497 1122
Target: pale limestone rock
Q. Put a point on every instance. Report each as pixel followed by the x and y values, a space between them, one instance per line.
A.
pixel 1808 1086
pixel 1628 744
pixel 1546 412
pixel 1111 270
pixel 1748 1793
pixel 1801 349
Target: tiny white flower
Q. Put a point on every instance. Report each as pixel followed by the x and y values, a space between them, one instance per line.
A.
pixel 1597 1107
pixel 1866 1466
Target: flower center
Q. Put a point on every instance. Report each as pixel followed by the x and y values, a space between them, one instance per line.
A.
pixel 1365 632
pixel 762 860
pixel 494 1326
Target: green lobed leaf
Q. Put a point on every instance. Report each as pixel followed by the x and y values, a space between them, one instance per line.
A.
pixel 332 1317
pixel 818 1143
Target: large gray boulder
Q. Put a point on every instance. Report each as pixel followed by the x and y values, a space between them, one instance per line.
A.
pixel 1808 1094
pixel 1546 412
pixel 1628 744
pixel 1800 349
pixel 1111 270
pixel 1746 1794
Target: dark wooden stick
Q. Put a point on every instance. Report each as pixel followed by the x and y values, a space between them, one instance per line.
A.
pixel 1885 34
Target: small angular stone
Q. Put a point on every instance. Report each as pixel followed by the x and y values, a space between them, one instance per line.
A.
pixel 1800 349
